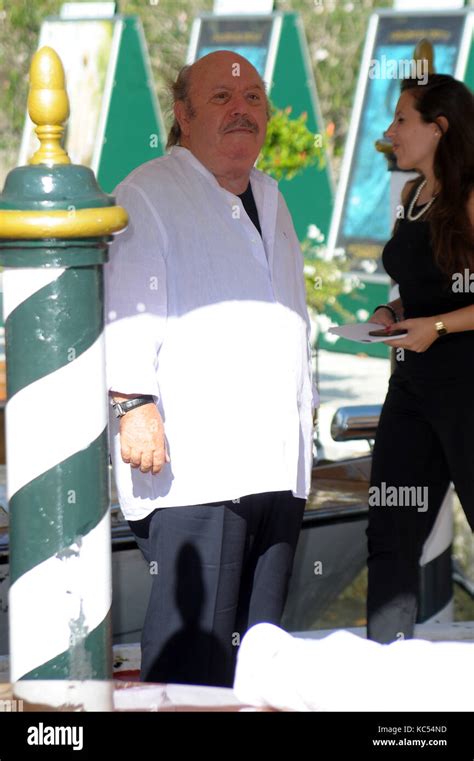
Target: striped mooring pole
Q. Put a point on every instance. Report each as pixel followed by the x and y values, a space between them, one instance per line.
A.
pixel 55 224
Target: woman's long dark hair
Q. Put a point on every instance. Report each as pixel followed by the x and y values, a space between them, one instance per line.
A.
pixel 451 229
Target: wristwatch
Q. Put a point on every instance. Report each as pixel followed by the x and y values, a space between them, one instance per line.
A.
pixel 121 408
pixel 441 328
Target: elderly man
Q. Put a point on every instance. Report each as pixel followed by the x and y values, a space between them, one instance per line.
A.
pixel 208 367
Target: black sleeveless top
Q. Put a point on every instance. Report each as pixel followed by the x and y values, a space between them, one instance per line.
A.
pixel 425 291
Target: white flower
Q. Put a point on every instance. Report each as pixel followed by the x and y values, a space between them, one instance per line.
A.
pixel 324 254
pixel 368 265
pixel 351 283
pixel 331 338
pixel 313 232
pixel 324 322
pixel 321 54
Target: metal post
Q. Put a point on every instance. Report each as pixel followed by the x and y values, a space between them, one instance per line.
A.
pixel 55 223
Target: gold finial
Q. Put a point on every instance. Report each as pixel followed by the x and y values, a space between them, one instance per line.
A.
pixel 424 52
pixel 383 145
pixel 48 106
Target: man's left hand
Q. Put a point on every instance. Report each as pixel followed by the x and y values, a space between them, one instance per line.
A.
pixel 421 334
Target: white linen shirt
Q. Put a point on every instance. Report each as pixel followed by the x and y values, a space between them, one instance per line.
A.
pixel 212 321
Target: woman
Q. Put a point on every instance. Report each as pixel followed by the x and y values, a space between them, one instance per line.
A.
pixel 425 437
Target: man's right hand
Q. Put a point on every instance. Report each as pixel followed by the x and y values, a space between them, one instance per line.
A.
pixel 142 439
pixel 382 316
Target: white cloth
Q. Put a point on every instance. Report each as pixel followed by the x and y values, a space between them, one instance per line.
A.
pixel 343 672
pixel 213 322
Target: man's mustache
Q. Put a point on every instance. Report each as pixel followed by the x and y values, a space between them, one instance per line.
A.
pixel 241 123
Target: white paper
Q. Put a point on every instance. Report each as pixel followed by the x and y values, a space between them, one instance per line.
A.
pixel 359 331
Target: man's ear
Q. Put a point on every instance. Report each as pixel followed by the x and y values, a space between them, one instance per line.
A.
pixel 181 115
pixel 443 124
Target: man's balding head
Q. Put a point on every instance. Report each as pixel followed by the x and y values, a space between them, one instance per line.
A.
pixel 181 87
pixel 221 111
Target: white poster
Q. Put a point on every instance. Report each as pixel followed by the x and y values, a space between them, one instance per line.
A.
pixel 84 48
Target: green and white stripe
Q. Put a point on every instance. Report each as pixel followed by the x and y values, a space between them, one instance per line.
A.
pixel 57 473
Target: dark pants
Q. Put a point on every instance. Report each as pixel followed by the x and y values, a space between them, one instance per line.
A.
pixel 425 438
pixel 217 569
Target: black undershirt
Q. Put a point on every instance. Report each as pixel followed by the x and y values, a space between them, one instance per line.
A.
pixel 250 206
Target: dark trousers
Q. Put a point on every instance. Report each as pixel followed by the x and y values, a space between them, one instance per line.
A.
pixel 425 438
pixel 217 569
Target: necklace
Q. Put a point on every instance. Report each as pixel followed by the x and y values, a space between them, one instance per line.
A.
pixel 413 217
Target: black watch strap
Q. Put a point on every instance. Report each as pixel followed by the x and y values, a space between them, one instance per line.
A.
pixel 121 408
